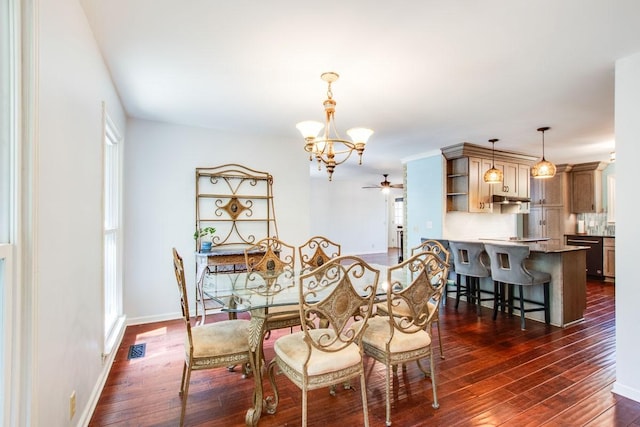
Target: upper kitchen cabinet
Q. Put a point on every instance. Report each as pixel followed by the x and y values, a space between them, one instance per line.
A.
pixel 466 190
pixel 509 186
pixel 552 191
pixel 550 215
pixel 586 187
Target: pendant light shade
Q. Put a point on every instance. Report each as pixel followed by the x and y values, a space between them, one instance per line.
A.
pixel 544 168
pixel 493 175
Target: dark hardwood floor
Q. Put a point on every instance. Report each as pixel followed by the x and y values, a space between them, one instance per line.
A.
pixel 493 374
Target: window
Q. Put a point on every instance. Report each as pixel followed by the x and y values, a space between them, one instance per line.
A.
pixel 112 265
pixel 398 211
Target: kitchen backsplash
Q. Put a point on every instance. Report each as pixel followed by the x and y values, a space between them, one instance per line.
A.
pixel 596 224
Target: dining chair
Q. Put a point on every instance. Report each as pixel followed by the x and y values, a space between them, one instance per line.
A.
pixel 212 345
pixel 316 251
pixel 397 339
pixel 438 248
pixel 451 283
pixel 270 254
pixel 317 356
pixel 508 270
pixel 273 255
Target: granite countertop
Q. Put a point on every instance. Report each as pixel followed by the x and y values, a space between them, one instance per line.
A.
pixel 516 239
pixel 538 245
pixel 591 235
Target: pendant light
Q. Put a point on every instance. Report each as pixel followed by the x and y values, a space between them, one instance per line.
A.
pixel 544 168
pixel 493 175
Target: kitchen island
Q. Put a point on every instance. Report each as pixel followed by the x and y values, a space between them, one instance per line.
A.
pixel 568 289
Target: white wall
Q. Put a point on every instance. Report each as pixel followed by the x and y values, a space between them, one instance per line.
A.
pixel 425 201
pixel 460 226
pixel 160 202
pixel 67 241
pixel 627 123
pixel 349 215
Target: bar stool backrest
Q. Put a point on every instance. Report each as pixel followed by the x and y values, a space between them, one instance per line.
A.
pixel 467 258
pixel 507 263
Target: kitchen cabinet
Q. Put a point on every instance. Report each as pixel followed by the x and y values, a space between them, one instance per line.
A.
pixel 547 221
pixel 515 183
pixel 510 176
pixel 524 186
pixel 466 190
pixel 586 187
pixel 479 191
pixel 609 258
pixel 549 214
pixel 551 191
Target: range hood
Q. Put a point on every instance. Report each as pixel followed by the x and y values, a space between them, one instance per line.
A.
pixel 510 200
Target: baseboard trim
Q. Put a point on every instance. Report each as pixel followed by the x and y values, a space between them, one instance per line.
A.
pixel 628 392
pixel 107 362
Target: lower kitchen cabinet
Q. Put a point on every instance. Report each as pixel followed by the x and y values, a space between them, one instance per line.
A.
pixel 609 258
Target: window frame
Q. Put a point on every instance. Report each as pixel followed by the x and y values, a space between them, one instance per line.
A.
pixel 113 318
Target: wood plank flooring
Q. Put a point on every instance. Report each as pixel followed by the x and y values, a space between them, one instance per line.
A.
pixel 493 374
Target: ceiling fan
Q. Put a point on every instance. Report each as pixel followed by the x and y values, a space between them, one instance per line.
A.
pixel 385 185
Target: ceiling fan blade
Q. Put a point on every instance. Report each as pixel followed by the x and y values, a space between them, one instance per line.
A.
pixel 372 186
pixel 397 186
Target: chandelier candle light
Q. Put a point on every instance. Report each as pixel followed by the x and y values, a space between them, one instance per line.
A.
pixel 544 168
pixel 493 175
pixel 328 149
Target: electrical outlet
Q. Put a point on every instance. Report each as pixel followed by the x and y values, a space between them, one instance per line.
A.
pixel 72 404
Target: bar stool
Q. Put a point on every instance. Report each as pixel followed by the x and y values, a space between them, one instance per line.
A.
pixel 508 269
pixel 468 262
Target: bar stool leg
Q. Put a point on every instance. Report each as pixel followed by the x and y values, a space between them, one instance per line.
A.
pixel 496 298
pixel 522 322
pixel 510 298
pixel 547 309
pixel 476 282
pixel 457 290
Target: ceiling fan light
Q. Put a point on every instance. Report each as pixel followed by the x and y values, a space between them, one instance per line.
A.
pixel 493 176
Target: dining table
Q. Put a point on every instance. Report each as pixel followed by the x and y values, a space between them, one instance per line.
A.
pixel 256 292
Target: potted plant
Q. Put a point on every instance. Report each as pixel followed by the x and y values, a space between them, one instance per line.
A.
pixel 205 235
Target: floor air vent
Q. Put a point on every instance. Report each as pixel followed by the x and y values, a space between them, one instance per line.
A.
pixel 136 351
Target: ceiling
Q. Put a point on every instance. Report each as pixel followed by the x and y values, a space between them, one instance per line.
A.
pixel 423 74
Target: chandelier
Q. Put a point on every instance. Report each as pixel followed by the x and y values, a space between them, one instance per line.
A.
pixel 328 147
pixel 544 168
pixel 493 175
